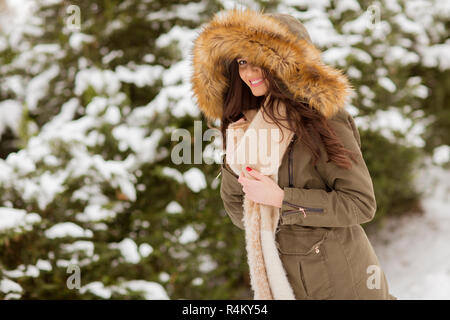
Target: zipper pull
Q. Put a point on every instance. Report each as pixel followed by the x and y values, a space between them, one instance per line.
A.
pixel 302 210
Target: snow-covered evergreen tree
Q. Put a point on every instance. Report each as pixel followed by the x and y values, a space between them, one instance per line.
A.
pixel 90 94
pixel 91 184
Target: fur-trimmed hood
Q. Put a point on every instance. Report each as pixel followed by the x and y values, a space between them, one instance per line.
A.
pixel 277 42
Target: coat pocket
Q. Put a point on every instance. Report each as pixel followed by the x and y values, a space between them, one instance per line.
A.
pixel 306 262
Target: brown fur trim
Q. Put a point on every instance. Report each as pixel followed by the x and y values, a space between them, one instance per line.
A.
pixel 266 42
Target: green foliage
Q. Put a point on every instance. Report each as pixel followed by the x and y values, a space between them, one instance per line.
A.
pixel 392 167
pixel 213 266
pixel 437 106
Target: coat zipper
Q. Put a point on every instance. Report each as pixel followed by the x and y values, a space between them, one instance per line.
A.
pixel 290 165
pixel 291 185
pixel 301 209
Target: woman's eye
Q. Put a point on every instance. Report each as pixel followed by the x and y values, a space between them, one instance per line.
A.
pixel 243 62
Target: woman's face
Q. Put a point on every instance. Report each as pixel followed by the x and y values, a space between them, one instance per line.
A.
pixel 253 77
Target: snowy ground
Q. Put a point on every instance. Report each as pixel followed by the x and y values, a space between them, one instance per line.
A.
pixel 414 250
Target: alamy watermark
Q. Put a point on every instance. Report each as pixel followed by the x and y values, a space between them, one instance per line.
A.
pixel 73 281
pixel 374 280
pixel 373 16
pixel 73 21
pixel 257 145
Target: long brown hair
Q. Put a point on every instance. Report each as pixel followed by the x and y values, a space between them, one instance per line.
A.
pixel 305 121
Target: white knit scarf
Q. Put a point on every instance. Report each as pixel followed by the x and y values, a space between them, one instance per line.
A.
pixel 259 144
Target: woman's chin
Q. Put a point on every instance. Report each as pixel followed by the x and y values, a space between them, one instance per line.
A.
pixel 257 92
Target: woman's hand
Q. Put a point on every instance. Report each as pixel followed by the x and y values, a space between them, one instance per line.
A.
pixel 262 190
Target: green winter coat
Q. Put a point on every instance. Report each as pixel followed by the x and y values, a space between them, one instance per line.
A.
pixel 322 245
pixel 324 249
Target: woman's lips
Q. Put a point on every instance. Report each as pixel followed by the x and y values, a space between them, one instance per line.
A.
pixel 257 84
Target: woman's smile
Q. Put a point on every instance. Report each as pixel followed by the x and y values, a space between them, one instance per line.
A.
pixel 256 83
pixel 253 76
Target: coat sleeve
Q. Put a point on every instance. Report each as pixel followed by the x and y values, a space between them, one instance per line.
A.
pixel 351 200
pixel 232 195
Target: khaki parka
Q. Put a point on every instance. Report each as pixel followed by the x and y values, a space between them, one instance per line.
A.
pixel 323 248
pixel 322 245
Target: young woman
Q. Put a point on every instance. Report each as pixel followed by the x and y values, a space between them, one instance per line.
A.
pixel 324 191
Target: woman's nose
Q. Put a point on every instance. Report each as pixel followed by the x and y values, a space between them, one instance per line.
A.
pixel 254 67
pixel 252 70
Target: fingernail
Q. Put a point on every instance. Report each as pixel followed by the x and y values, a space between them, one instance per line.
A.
pixel 248 169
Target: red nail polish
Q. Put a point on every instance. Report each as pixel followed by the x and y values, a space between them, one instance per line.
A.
pixel 248 169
